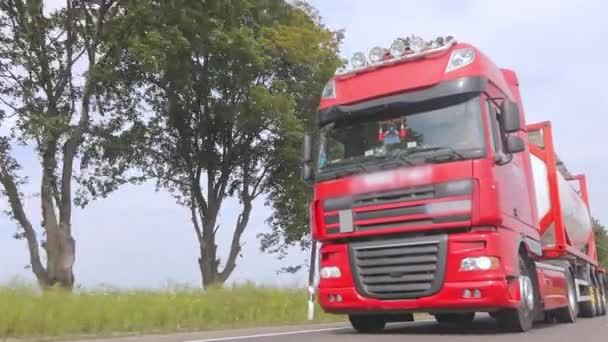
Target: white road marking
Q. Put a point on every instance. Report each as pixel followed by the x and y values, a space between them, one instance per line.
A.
pixel 245 337
pixel 286 333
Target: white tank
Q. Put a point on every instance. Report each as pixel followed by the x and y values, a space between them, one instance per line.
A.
pixel 575 214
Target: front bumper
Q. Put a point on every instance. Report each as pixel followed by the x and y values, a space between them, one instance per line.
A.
pixel 495 294
pixel 498 288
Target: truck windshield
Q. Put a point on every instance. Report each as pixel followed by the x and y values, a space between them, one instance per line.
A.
pixel 456 129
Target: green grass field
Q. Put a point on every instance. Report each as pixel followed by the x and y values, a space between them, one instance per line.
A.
pixel 25 312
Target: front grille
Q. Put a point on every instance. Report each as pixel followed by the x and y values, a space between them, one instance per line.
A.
pixel 399 268
pixel 412 194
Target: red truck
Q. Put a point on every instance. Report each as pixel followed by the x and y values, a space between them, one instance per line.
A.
pixel 432 194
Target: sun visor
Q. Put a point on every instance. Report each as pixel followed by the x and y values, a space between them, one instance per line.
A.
pixel 435 95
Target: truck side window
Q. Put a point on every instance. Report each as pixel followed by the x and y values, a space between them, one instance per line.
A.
pixel 497 136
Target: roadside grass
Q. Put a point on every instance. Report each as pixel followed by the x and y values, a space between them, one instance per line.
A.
pixel 26 312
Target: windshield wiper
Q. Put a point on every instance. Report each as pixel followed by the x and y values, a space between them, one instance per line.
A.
pixel 396 159
pixel 450 155
pixel 342 171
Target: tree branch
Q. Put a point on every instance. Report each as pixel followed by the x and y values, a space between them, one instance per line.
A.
pixel 235 245
pixel 49 165
pixel 197 227
pixel 69 153
pixel 16 205
pixel 255 192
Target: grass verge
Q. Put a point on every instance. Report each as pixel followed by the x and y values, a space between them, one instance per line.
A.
pixel 27 313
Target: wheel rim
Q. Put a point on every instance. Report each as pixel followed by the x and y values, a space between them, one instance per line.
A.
pixel 527 292
pixel 571 298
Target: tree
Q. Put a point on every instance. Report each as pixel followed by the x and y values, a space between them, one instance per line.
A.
pixel 56 94
pixel 230 86
pixel 601 242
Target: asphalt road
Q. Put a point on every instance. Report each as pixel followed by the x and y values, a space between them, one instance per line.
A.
pixel 483 329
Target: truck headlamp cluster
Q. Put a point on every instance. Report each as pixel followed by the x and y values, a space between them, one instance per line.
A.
pixel 330 272
pixel 401 48
pixel 483 263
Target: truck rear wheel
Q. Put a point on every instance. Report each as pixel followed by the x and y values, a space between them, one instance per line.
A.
pixel 569 313
pixel 590 308
pixel 455 318
pixel 367 323
pixel 522 318
pixel 601 294
pixel 598 295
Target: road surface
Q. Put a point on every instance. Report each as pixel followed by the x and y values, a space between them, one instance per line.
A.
pixel 483 330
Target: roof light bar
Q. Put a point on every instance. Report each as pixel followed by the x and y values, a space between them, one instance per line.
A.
pixel 401 49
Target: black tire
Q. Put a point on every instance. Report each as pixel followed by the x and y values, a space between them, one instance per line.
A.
pixel 589 308
pixel 602 295
pixel 598 295
pixel 455 318
pixel 522 318
pixel 367 323
pixel 569 313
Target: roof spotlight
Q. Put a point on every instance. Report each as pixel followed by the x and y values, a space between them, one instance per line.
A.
pixel 398 47
pixel 377 54
pixel 417 44
pixel 439 41
pixel 358 60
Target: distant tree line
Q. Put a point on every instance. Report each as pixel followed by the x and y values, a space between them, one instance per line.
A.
pixel 209 99
pixel 601 242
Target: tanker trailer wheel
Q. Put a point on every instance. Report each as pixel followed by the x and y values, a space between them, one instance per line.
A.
pixel 602 294
pixel 569 313
pixel 590 308
pixel 597 292
pixel 367 323
pixel 522 318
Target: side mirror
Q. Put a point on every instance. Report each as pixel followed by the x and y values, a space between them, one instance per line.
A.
pixel 306 173
pixel 510 116
pixel 306 159
pixel 307 149
pixel 515 144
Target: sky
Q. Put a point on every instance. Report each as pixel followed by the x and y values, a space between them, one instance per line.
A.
pixel 138 237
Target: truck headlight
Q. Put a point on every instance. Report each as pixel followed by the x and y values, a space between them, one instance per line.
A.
pixel 483 263
pixel 330 272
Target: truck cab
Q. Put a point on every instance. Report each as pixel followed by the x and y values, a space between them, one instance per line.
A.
pixel 424 197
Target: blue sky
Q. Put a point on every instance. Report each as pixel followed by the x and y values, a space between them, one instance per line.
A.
pixel 140 238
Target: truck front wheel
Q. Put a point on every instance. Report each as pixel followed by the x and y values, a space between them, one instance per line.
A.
pixel 522 318
pixel 367 323
pixel 455 318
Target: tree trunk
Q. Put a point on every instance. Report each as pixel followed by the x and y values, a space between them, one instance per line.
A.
pixel 209 263
pixel 60 252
